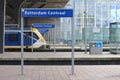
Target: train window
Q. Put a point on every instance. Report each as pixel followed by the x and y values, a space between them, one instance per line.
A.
pixel 27 33
pixel 30 34
pixel 35 36
pixel 13 37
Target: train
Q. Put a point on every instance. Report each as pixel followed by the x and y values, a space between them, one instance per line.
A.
pixel 33 39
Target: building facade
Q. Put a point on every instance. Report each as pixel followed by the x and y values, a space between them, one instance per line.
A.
pixel 93 15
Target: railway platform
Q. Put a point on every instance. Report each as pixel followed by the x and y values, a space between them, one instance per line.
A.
pixel 59 58
pixel 48 71
pixel 42 72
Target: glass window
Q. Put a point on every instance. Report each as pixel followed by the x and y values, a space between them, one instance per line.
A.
pixel 91 13
pixel 78 20
pixel 13 37
pixel 79 2
pixel 98 7
pixel 90 8
pixel 104 8
pixel 113 15
pixel 104 2
pixel 98 22
pixel 118 15
pixel 98 13
pixel 35 36
pixel 29 34
pixel 78 14
pixel 104 14
pixel 98 2
pixel 91 2
pixel 90 20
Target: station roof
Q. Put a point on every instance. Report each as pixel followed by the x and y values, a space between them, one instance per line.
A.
pixel 13 6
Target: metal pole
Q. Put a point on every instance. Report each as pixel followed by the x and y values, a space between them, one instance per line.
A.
pixel 73 38
pixel 22 45
pixel 32 41
pixel 61 38
pixel 55 38
pixel 4 25
pixel 85 28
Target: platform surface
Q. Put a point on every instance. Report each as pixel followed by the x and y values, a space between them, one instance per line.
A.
pixel 57 56
pixel 96 72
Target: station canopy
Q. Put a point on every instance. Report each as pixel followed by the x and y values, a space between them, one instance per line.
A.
pixel 13 7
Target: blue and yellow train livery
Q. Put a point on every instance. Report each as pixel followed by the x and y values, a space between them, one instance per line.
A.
pixel 37 41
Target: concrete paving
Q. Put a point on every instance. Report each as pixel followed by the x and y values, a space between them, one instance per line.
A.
pixel 57 55
pixel 96 72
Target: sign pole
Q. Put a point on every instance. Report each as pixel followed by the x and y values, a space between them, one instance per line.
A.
pixel 47 13
pixel 32 42
pixel 55 37
pixel 73 39
pixel 22 45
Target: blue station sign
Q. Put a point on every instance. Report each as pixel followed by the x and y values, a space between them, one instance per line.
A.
pixel 55 13
pixel 43 31
pixel 43 25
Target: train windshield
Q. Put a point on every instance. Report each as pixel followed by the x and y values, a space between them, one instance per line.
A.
pixel 29 34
